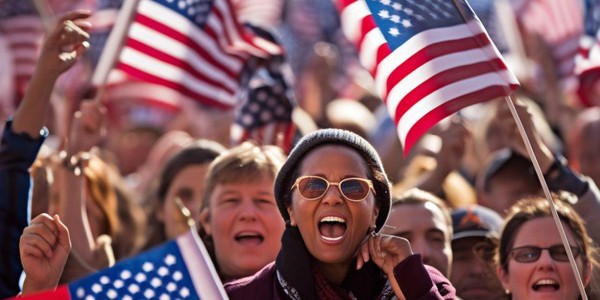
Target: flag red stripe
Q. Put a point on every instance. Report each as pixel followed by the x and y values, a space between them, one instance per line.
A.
pixel 448 108
pixel 442 79
pixel 191 43
pixel 133 43
pixel 176 86
pixel 431 52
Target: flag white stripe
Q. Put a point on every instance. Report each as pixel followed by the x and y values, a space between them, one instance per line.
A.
pixel 168 72
pixel 424 72
pixel 443 95
pixel 175 21
pixel 180 51
pixel 413 45
pixel 352 17
pixel 143 90
pixel 368 48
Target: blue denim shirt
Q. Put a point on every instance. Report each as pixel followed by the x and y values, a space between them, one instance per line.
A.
pixel 17 154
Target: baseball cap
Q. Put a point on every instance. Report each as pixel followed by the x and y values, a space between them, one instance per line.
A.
pixel 475 221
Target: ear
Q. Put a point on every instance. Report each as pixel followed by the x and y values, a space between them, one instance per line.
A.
pixel 205 221
pixel 290 211
pixel 375 214
pixel 503 276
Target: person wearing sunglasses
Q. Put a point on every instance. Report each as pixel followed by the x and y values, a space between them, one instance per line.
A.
pixel 335 197
pixel 532 262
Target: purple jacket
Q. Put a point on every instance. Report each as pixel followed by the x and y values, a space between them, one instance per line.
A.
pixel 417 281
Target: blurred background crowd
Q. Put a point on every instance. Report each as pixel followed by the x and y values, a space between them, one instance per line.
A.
pixel 140 149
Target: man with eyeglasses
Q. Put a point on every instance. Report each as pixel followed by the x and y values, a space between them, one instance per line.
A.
pixel 476 230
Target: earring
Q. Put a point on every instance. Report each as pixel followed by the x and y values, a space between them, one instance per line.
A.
pixel 507 291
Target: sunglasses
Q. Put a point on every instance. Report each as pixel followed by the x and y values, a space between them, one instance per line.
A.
pixel 314 187
pixel 529 254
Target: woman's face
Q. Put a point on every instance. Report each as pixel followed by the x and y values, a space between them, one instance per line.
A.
pixel 245 225
pixel 188 185
pixel 333 240
pixel 545 278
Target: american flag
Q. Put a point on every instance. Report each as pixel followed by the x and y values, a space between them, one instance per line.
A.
pixel 587 61
pixel 264 113
pixel 559 23
pixel 196 48
pixel 179 269
pixel 24 31
pixel 429 59
pixel 266 13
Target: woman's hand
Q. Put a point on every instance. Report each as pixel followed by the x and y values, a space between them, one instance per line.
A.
pixel 44 248
pixel 67 41
pixel 386 251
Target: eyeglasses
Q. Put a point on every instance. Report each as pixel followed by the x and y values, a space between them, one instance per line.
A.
pixel 314 187
pixel 529 254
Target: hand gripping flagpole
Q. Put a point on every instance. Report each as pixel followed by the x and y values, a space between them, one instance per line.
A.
pixel 113 46
pixel 540 175
pixel 538 171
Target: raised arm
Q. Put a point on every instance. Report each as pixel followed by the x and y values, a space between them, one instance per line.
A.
pixel 63 46
pixel 22 140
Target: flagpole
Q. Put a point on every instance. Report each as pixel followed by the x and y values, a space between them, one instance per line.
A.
pixel 45 12
pixel 113 46
pixel 540 175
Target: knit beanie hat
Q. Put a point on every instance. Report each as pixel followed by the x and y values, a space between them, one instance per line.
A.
pixel 331 136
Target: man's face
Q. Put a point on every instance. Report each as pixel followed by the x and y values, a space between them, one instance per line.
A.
pixel 426 228
pixel 473 273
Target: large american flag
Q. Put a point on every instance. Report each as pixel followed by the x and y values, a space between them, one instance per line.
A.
pixel 179 269
pixel 429 59
pixel 24 31
pixel 196 48
pixel 559 23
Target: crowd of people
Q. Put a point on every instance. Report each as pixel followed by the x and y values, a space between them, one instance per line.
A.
pixel 339 214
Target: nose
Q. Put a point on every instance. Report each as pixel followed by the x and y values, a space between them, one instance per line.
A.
pixel 333 196
pixel 545 261
pixel 478 266
pixel 247 211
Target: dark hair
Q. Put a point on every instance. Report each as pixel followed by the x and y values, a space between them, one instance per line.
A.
pixel 200 152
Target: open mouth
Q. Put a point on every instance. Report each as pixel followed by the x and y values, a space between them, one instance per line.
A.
pixel 546 285
pixel 249 238
pixel 332 228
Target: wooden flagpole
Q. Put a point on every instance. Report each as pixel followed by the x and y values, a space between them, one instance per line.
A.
pixel 113 47
pixel 540 175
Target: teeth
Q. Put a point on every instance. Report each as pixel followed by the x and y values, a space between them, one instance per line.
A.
pixel 546 282
pixel 333 219
pixel 332 239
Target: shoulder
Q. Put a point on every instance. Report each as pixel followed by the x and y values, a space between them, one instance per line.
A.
pixel 419 281
pixel 442 283
pixel 257 286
